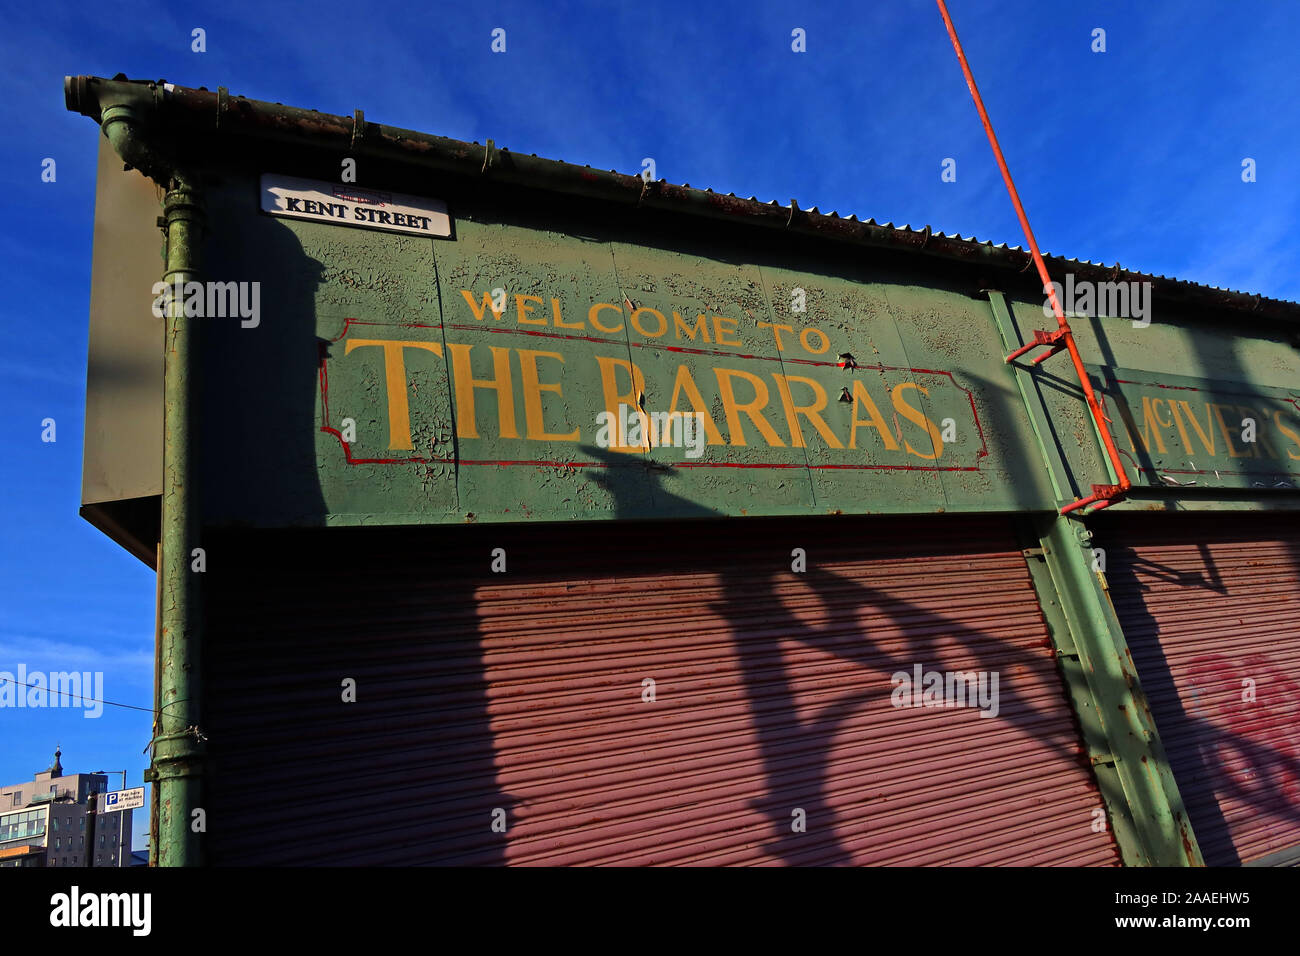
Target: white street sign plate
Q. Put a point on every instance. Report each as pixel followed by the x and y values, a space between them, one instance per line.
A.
pixel 345 204
pixel 121 800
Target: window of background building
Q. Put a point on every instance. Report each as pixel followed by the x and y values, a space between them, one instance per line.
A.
pixel 17 794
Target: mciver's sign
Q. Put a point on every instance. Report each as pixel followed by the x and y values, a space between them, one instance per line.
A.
pixel 1195 432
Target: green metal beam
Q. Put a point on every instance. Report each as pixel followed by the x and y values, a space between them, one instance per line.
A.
pixel 1118 702
pixel 1057 470
pixel 1128 836
pixel 1146 809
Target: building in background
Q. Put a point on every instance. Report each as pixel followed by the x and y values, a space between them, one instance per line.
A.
pixel 45 822
pixel 358 433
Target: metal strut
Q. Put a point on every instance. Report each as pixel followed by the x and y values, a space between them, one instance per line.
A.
pixel 1062 338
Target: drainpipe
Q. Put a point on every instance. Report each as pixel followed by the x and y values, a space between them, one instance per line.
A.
pixel 125 112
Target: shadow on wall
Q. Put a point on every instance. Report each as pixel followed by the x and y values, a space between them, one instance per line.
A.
pixel 1227 755
pixel 410 771
pixel 347 704
pixel 299 773
pixel 260 384
pixel 443 731
pixel 776 616
pixel 1234 748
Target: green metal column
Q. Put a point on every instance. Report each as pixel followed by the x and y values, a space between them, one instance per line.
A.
pixel 1133 772
pixel 178 742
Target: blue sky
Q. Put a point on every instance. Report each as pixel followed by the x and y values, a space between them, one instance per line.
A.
pixel 1132 155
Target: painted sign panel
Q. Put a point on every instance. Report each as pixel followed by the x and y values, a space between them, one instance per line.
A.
pixel 530 384
pixel 346 204
pixel 510 389
pixel 522 372
pixel 1190 432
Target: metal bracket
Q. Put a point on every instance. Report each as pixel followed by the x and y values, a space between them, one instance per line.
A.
pixel 1053 341
pixel 647 187
pixel 1103 496
pixel 223 102
pixel 794 208
pixel 488 147
pixel 358 128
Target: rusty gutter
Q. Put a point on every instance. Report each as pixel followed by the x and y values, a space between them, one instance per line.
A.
pixel 177 112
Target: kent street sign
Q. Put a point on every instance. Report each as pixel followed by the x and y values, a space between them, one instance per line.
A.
pixel 345 204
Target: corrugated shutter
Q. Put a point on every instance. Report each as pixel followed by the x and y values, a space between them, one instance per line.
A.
pixel 526 693
pixel 1211 609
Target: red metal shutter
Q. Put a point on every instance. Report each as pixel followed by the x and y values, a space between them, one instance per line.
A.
pixel 526 693
pixel 1209 604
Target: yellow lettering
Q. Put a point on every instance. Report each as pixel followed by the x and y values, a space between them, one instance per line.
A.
pixel 776 332
pixel 1294 436
pixel 466 384
pixel 480 308
pixel 803 340
pixel 916 416
pixel 700 328
pixel 1182 430
pixel 525 311
pixel 684 383
pixel 1233 451
pixel 533 388
pixel 558 320
pixel 636 324
pixel 399 409
pixel 1262 437
pixel 862 399
pixel 753 408
pixel 614 398
pixel 591 317
pixel 1207 439
pixel 1151 425
pixel 810 412
pixel 719 331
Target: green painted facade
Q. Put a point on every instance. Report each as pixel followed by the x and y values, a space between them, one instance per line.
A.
pixel 403 379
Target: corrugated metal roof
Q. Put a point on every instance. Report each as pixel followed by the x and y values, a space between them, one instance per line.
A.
pixel 181 109
pixel 929 231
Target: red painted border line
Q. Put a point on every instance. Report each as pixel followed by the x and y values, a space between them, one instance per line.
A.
pixel 1227 391
pixel 347 451
pixel 549 463
pixel 1212 471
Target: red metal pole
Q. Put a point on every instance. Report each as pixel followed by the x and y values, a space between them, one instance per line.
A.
pixel 1089 395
